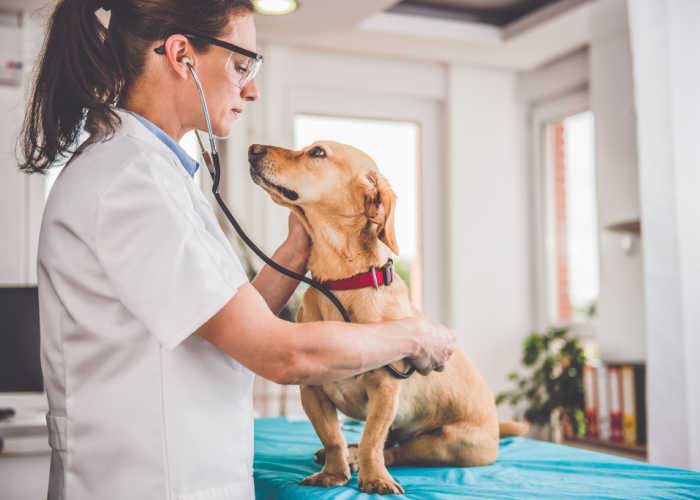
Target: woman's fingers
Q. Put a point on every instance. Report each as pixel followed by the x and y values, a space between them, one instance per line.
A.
pixel 437 345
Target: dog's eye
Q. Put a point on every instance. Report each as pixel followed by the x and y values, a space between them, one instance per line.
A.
pixel 317 152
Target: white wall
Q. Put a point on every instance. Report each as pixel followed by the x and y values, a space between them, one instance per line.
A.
pixel 621 304
pixel 558 79
pixel 665 39
pixel 490 287
pixel 21 195
pixel 13 201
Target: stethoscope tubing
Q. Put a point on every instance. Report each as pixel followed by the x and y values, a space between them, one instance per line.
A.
pixel 214 167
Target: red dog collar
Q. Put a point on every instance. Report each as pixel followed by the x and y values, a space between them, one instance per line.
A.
pixel 375 277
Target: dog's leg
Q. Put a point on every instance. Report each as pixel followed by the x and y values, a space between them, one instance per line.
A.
pixel 323 416
pixel 383 402
pixel 454 445
pixel 353 453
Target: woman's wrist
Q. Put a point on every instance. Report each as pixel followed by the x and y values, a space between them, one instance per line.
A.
pixel 292 256
pixel 413 328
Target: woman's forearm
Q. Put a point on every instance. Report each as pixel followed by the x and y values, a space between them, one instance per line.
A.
pixel 276 288
pixel 318 352
pixel 332 351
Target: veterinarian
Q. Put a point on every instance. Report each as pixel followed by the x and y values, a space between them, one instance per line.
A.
pixel 151 333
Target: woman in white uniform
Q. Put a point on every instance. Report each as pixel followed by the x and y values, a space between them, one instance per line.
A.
pixel 151 332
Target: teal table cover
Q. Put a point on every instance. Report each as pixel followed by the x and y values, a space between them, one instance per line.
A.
pixel 525 469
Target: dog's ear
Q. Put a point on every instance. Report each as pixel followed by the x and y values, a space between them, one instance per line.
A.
pixel 380 202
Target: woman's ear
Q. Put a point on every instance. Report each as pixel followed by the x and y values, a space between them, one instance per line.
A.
pixel 177 50
pixel 380 203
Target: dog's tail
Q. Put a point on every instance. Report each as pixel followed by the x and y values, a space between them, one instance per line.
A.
pixel 507 429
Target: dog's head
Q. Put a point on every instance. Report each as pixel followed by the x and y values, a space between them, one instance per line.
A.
pixel 328 185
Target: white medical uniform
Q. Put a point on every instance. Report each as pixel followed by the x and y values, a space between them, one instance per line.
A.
pixel 131 262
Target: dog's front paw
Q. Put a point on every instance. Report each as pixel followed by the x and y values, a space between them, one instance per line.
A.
pixel 326 479
pixel 383 484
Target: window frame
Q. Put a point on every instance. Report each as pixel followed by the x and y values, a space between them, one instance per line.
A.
pixel 542 115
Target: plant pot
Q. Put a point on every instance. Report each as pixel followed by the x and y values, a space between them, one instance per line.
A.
pixel 541 432
pixel 548 432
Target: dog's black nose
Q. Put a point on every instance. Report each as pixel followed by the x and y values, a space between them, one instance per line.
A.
pixel 256 151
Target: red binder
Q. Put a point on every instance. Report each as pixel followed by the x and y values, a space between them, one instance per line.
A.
pixel 615 403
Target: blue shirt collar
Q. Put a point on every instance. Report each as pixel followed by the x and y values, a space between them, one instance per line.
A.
pixel 190 165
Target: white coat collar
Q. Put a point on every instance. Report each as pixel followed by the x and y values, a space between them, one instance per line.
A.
pixel 131 127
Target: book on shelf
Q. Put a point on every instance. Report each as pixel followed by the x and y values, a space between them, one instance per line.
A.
pixel 629 418
pixel 603 404
pixel 640 403
pixel 615 402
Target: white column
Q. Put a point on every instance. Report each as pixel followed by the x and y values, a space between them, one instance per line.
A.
pixel 665 38
pixel 489 226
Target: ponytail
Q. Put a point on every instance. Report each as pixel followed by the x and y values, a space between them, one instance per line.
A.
pixel 86 69
pixel 78 81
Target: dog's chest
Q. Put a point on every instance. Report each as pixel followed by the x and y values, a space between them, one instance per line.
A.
pixel 349 396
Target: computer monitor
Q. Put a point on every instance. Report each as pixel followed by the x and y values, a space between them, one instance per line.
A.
pixel 20 365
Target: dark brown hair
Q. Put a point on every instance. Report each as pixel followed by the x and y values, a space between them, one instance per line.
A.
pixel 86 68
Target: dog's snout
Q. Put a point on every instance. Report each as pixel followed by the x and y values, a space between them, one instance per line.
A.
pixel 256 151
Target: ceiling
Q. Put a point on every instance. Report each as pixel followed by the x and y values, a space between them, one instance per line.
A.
pixel 519 34
pixel 492 12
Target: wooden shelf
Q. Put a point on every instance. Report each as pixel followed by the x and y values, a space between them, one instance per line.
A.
pixel 634 449
pixel 632 226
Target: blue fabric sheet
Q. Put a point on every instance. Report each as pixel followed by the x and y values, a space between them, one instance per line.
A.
pixel 525 469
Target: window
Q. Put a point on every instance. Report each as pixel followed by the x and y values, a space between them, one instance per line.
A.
pixel 394 147
pixel 572 229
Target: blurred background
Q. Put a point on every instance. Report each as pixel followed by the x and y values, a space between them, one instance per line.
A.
pixel 545 157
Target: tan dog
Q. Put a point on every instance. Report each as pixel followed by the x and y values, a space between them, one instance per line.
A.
pixel 446 418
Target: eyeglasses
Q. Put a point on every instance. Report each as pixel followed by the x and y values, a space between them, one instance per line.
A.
pixel 242 73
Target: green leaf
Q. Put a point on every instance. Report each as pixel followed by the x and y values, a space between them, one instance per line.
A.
pixel 558 333
pixel 532 349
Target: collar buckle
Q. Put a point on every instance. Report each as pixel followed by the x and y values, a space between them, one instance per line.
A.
pixel 388 272
pixel 374 277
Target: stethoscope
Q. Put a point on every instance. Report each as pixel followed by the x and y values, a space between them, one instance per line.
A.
pixel 211 159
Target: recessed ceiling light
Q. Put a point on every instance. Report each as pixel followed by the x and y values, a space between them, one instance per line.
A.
pixel 275 7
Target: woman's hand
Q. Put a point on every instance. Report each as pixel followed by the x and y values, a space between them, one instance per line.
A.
pixel 293 254
pixel 298 242
pixel 436 343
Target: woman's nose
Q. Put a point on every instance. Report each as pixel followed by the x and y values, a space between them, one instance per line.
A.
pixel 256 151
pixel 250 92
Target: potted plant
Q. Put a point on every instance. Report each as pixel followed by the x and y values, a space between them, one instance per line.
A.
pixel 549 394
